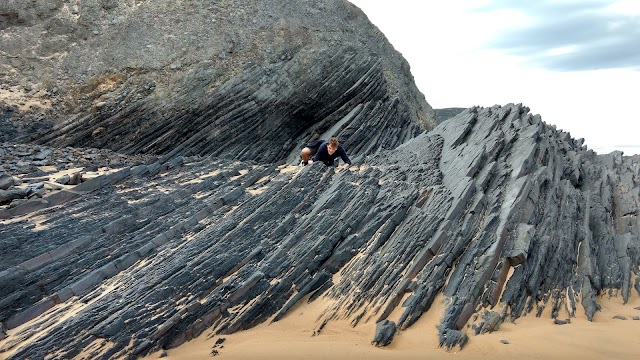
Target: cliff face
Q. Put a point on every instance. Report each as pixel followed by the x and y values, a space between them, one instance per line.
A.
pixel 128 252
pixel 249 80
pixel 492 207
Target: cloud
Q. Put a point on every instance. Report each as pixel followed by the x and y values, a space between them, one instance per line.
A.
pixel 570 36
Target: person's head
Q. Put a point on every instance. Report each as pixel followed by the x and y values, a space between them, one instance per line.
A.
pixel 333 145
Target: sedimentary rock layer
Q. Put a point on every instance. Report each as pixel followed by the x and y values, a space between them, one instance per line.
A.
pixel 491 207
pixel 243 80
pixel 264 114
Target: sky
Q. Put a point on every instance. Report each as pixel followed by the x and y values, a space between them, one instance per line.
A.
pixel 576 63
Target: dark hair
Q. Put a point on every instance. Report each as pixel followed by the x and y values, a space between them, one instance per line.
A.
pixel 334 142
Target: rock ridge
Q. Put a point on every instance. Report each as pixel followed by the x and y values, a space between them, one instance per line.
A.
pixel 201 77
pixel 493 207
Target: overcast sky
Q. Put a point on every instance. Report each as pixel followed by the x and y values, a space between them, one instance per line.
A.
pixel 576 63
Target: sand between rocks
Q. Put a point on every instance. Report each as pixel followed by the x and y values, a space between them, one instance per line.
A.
pixel 529 338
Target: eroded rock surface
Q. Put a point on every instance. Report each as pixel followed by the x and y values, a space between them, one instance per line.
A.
pixel 153 255
pixel 244 80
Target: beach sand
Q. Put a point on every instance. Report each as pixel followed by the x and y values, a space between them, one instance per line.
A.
pixel 529 337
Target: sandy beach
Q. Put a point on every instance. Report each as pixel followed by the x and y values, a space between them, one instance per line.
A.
pixel 529 337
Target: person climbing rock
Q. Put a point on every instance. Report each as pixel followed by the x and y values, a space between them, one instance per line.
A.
pixel 324 151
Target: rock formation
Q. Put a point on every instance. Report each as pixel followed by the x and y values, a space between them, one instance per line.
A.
pixel 250 81
pixel 447 113
pixel 492 207
pixel 161 201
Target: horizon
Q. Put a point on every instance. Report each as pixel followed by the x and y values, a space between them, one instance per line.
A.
pixel 572 62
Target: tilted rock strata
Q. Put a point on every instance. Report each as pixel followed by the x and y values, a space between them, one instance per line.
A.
pixel 243 80
pixel 29 172
pixel 264 114
pixel 147 261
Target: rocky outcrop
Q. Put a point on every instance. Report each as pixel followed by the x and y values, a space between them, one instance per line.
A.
pixel 243 80
pixel 116 254
pixel 447 113
pixel 31 174
pixel 491 208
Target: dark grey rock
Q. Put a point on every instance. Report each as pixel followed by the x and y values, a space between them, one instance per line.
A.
pixel 6 196
pixel 447 113
pixel 64 180
pixel 16 203
pixel 522 241
pixel 491 322
pixel 124 223
pixel 43 154
pixel 75 178
pixel 60 197
pixel 30 313
pixel 6 181
pixel 451 338
pixel 35 186
pixel 92 184
pixel 385 331
pixel 39 192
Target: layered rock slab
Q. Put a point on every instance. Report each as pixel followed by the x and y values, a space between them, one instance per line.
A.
pixel 492 207
pixel 242 80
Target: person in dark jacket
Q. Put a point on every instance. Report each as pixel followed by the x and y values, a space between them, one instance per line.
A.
pixel 326 152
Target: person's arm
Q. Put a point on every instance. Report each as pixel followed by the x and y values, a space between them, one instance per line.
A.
pixel 344 156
